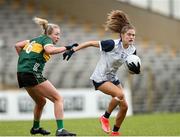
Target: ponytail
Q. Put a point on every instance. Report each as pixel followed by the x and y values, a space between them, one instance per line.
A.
pixel 116 20
pixel 46 27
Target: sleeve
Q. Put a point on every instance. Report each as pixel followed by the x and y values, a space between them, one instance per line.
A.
pixel 107 45
pixel 47 41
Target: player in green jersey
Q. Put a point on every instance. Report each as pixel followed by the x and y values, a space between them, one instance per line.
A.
pixel 33 54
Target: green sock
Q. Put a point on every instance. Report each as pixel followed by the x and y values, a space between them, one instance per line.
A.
pixel 36 124
pixel 60 124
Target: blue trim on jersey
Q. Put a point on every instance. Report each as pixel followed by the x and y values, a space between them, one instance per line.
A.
pixel 107 45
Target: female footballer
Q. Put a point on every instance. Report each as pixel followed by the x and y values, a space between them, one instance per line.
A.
pixel 33 54
pixel 113 55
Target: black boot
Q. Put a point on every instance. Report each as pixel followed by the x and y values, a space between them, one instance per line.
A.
pixel 40 130
pixel 64 132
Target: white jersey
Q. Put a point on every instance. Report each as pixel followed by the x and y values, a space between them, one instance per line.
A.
pixel 113 55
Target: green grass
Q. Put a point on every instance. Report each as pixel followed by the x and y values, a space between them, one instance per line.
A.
pixel 138 125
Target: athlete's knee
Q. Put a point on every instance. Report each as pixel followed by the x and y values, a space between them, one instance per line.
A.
pixel 58 99
pixel 124 106
pixel 119 97
pixel 41 103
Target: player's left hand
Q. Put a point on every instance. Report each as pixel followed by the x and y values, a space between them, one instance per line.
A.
pixel 71 46
pixel 67 54
pixel 132 67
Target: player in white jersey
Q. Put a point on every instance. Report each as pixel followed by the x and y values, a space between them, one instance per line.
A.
pixel 111 60
pixel 113 55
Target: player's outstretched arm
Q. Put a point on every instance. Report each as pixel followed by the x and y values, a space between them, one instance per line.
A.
pixel 67 55
pixel 55 50
pixel 87 44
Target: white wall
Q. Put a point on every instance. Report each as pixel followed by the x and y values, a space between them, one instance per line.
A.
pixel 78 103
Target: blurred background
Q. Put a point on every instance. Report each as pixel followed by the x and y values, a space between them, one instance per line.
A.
pixel 157 22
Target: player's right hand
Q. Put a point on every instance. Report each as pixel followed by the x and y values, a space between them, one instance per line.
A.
pixel 132 67
pixel 67 54
pixel 71 46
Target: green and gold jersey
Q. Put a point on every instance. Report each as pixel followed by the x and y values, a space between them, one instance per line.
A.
pixel 32 58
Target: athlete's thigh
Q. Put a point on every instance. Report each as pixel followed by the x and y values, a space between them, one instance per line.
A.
pixel 34 95
pixel 46 89
pixel 110 89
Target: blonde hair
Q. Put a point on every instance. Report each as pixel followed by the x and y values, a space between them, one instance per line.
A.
pixel 47 28
pixel 116 20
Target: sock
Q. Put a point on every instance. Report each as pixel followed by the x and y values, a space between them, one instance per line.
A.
pixel 106 114
pixel 115 129
pixel 36 124
pixel 60 124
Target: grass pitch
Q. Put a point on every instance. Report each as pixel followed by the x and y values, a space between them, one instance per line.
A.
pixel 138 125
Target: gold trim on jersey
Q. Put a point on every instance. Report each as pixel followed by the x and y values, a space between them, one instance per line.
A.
pixel 46 56
pixel 36 47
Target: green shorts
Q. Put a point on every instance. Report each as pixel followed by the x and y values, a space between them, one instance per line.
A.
pixel 28 79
